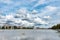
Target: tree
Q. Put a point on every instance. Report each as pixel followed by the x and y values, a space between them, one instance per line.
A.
pixel 3 27
pixel 56 26
pixel 15 27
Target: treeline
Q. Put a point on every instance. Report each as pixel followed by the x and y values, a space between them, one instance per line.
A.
pixel 56 26
pixel 16 27
pixel 20 27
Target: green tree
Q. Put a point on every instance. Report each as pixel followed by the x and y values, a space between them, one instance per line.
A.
pixel 56 26
pixel 3 27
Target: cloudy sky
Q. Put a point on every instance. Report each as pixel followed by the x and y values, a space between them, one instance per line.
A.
pixel 38 13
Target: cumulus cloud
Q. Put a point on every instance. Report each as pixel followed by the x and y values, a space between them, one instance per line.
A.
pixel 32 16
pixel 39 21
pixel 21 18
pixel 27 24
pixel 9 16
pixel 2 20
pixel 34 12
pixel 28 18
pixel 48 17
pixel 52 12
pixel 25 14
pixel 48 10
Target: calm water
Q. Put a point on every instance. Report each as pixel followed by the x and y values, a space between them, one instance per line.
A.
pixel 29 35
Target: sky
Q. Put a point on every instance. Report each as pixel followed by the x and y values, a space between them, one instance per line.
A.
pixel 38 13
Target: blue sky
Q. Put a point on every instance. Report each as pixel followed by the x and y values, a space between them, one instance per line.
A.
pixel 42 13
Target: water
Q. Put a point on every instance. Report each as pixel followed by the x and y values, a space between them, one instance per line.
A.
pixel 29 35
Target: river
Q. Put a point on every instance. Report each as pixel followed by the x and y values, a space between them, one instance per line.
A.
pixel 34 34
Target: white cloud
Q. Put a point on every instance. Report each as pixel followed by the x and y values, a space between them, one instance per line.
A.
pixel 31 0
pixel 25 15
pixel 1 12
pixel 58 13
pixel 27 24
pixel 40 2
pixel 48 17
pixel 51 8
pixel 48 2
pixel 6 1
pixel 40 21
pixel 48 10
pixel 2 20
pixel 22 11
pixel 33 16
pixel 52 14
pixel 17 20
pixel 34 12
pixel 9 16
pixel 2 17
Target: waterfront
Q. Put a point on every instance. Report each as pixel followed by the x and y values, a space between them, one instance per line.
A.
pixel 29 34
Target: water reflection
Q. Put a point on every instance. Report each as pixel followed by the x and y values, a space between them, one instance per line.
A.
pixel 27 38
pixel 29 35
pixel 58 32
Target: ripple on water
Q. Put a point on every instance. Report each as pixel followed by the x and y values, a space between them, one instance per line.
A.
pixel 22 38
pixel 29 35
